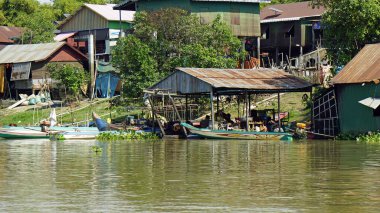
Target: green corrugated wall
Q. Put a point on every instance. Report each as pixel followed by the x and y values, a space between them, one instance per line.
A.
pixel 116 25
pixel 243 18
pixel 353 116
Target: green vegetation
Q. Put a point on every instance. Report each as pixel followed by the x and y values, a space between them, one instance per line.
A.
pixel 342 16
pixel 125 135
pixel 38 19
pixel 370 137
pixel 70 77
pixel 171 38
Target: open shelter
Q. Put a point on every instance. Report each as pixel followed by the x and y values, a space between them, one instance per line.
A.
pixel 217 82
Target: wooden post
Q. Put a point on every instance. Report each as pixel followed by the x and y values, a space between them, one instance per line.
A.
pixel 212 109
pixel 177 113
pixel 279 108
pixel 249 104
pixel 312 108
pixel 217 107
pixel 258 51
pixel 155 116
pixel 238 103
pixel 246 110
pixel 186 108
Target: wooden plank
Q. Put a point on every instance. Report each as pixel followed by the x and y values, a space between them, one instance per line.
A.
pixel 16 104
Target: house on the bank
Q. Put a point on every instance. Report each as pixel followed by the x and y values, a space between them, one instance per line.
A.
pixel 290 30
pixel 8 35
pixel 357 91
pixel 243 16
pixel 23 68
pixel 104 23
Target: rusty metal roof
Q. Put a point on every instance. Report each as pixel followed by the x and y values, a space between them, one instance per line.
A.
pixel 290 12
pixel 6 33
pixel 364 67
pixel 202 80
pixel 28 52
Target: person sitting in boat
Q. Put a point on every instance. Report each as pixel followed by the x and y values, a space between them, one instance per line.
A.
pixel 205 122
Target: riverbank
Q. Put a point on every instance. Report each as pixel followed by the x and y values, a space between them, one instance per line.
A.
pixel 75 114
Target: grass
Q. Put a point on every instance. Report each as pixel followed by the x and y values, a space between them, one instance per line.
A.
pixel 33 116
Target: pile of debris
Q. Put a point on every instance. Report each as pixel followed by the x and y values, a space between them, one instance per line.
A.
pixel 42 99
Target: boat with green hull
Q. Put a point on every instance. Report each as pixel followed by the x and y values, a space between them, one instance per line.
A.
pixel 238 135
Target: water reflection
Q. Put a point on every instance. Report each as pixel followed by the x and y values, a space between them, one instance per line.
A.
pixel 206 175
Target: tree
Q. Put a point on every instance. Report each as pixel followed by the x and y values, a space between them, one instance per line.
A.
pixel 171 38
pixel 350 24
pixel 70 77
pixel 139 68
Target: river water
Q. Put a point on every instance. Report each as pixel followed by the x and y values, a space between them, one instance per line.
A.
pixel 189 176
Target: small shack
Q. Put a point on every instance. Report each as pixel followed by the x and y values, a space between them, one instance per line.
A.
pixel 292 29
pixel 358 93
pixel 214 83
pixel 25 66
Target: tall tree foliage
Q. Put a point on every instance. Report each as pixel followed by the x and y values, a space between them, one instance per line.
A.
pixel 173 38
pixel 350 24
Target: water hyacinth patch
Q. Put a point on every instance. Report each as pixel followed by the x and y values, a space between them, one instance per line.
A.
pixel 125 135
pixel 370 137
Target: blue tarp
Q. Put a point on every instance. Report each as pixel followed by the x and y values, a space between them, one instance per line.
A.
pixel 106 84
pixel 106 80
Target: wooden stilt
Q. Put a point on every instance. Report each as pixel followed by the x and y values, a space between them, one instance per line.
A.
pixel 279 109
pixel 177 113
pixel 155 116
pixel 217 107
pixel 246 110
pixel 186 108
pixel 212 109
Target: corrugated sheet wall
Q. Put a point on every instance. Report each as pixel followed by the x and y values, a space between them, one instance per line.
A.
pixel 353 116
pixel 85 19
pixel 180 81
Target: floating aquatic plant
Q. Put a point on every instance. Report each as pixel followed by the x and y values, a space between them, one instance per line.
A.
pixel 125 135
pixel 370 137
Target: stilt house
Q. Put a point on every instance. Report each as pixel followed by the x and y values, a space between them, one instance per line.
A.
pixel 24 67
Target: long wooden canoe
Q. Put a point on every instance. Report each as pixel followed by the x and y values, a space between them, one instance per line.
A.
pixel 238 135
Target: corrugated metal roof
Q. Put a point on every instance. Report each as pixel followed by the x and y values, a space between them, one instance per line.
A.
pixel 63 36
pixel 128 2
pixel 289 12
pixel 110 14
pixel 201 80
pixel 28 52
pixel 364 67
pixel 6 33
pixel 106 11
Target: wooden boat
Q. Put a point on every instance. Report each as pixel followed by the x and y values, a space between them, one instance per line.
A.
pixel 22 134
pixel 10 132
pixel 73 135
pixel 238 135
